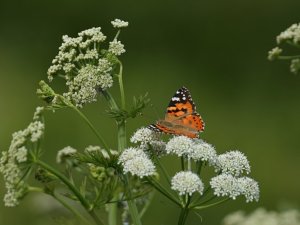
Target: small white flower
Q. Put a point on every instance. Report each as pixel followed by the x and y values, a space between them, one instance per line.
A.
pixel 10 199
pixel 65 153
pixel 186 182
pixel 295 66
pixel 83 87
pixel 226 185
pixel 21 154
pixel 250 188
pixel 204 152
pixel 36 130
pixel 180 145
pixel 38 111
pixel 144 136
pixel 116 47
pixel 159 147
pixel 117 23
pixel 233 162
pixel 92 149
pixel 274 53
pixel 140 166
pixel 130 153
pixel 136 162
pixel 290 34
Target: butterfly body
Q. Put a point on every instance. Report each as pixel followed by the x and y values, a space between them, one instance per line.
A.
pixel 181 117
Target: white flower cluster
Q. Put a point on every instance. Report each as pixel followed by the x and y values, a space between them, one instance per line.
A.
pixel 192 148
pixel 86 67
pixel 83 87
pixel 263 217
pixel 230 165
pixel 137 162
pixel 291 34
pixel 233 162
pixel 186 182
pixel 228 185
pixel 116 47
pixel 274 53
pixel 117 23
pixel 12 160
pixel 295 66
pixel 148 138
pixel 65 153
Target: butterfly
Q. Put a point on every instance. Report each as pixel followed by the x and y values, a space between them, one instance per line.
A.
pixel 181 117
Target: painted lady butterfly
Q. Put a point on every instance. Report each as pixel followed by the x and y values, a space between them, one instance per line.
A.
pixel 181 117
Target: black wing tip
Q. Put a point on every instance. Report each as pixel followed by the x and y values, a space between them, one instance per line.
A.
pixel 154 128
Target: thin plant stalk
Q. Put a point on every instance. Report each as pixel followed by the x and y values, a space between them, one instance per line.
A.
pixel 75 191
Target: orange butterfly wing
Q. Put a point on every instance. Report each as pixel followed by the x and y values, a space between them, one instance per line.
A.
pixel 181 117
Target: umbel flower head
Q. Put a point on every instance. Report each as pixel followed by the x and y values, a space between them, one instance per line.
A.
pixel 86 66
pixel 136 162
pixel 13 161
pixel 186 182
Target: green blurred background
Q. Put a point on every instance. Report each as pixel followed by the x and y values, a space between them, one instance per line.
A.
pixel 217 49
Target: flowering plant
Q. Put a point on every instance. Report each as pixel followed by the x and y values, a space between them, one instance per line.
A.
pixel 289 38
pixel 121 180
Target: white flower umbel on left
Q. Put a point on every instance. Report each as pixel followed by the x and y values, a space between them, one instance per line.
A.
pixel 116 47
pixel 13 162
pixel 86 66
pixel 136 162
pixel 186 182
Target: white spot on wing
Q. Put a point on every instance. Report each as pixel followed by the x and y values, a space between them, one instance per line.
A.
pixel 175 99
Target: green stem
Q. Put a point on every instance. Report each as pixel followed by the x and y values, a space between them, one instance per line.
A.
pixel 74 190
pixel 189 165
pixel 285 57
pixel 122 92
pixel 212 204
pixel 184 212
pixel 91 126
pixel 182 163
pixel 146 206
pixel 162 168
pixel 61 201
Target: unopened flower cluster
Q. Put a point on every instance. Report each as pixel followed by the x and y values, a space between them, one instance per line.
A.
pixel 230 166
pixel 14 159
pixel 291 36
pixel 86 65
pixel 263 217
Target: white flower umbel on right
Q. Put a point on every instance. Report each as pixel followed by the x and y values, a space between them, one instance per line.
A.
pixel 226 185
pixel 233 162
pixel 136 162
pixel 249 188
pixel 187 182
